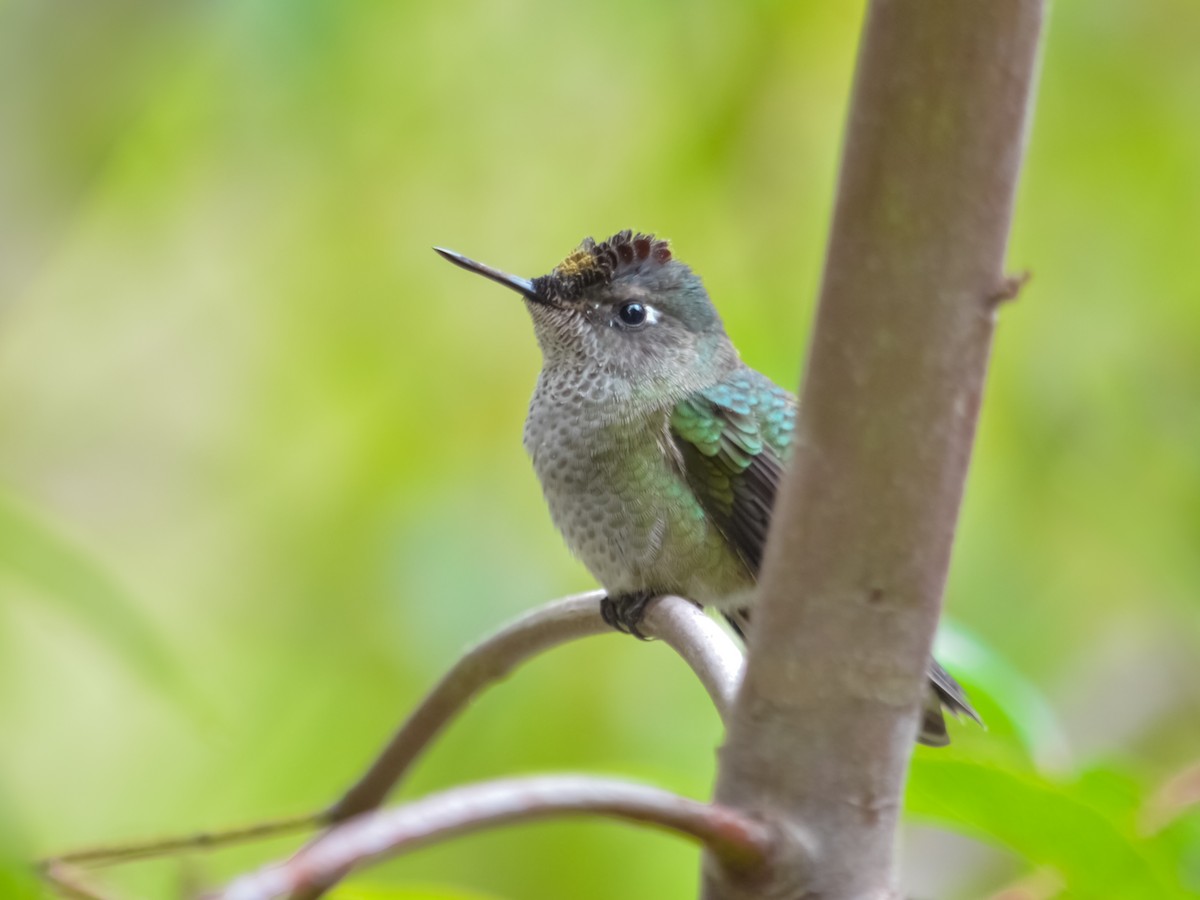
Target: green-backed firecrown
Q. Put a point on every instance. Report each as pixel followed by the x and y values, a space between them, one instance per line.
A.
pixel 659 451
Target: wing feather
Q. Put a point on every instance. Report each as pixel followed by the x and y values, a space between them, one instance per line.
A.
pixel 733 442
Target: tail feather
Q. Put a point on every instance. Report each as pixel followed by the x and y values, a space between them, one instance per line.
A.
pixel 944 692
pixel 950 692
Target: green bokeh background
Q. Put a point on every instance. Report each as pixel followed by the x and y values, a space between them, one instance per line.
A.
pixel 261 465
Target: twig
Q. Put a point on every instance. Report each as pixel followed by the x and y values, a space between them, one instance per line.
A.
pixel 699 640
pixel 69 882
pixel 706 648
pixel 1010 288
pixel 205 840
pixel 709 651
pixel 741 843
pixel 703 645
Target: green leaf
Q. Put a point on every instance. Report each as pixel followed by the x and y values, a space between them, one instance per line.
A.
pixel 1074 829
pixel 33 553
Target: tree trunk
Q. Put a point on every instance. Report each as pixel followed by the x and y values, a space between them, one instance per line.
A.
pixel 856 564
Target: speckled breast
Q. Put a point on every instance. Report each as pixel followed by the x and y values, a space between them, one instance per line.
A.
pixel 620 500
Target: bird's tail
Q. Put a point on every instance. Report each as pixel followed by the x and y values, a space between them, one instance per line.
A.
pixel 945 694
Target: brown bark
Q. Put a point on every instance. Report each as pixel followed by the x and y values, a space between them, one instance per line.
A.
pixel 856 563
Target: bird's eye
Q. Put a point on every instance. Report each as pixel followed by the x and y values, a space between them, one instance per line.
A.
pixel 632 314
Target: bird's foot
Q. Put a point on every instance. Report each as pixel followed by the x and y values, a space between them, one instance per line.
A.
pixel 625 612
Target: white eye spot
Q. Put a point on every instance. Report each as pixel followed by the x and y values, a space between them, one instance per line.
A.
pixel 651 315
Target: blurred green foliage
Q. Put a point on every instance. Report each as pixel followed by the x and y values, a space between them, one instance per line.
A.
pixel 261 464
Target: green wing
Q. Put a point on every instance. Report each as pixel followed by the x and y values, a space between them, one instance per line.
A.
pixel 734 439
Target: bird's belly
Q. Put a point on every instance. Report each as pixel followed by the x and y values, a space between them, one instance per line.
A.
pixel 627 513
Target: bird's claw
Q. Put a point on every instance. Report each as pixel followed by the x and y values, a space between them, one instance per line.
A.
pixel 625 612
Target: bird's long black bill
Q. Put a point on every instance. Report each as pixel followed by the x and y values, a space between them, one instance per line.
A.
pixel 522 286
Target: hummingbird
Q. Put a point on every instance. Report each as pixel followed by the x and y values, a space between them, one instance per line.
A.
pixel 658 450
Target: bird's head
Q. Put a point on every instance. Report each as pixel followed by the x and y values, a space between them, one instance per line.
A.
pixel 626 311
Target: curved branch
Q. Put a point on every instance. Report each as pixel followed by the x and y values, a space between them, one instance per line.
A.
pixel 703 644
pixel 709 651
pixel 699 640
pixel 742 844
pixel 706 648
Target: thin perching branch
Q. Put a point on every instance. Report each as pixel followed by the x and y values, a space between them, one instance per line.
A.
pixel 700 641
pixel 703 645
pixel 856 562
pixel 742 843
pixel 712 655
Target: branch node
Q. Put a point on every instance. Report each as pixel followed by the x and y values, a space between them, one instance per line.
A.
pixel 786 874
pixel 1010 288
